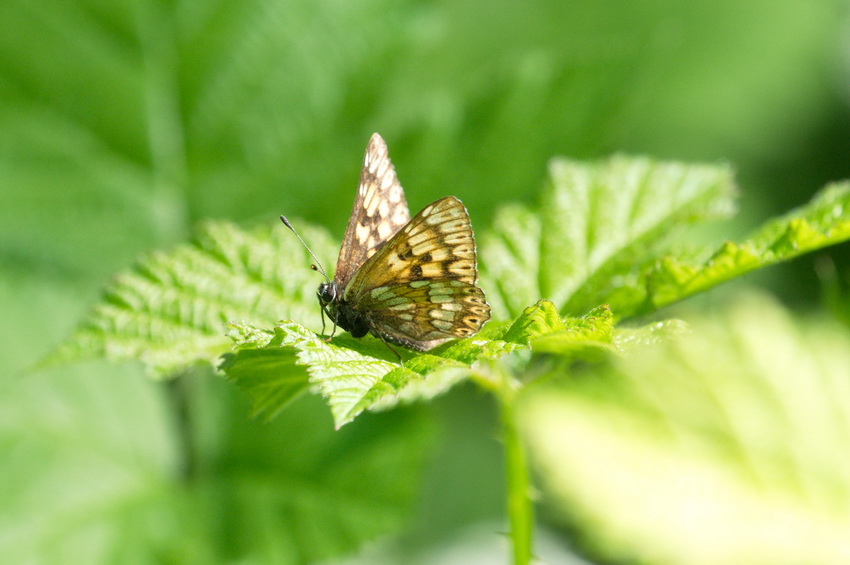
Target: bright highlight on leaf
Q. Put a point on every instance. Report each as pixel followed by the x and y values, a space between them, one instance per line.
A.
pixel 726 445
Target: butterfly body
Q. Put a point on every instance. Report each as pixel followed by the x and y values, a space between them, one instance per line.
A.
pixel 408 281
pixel 340 312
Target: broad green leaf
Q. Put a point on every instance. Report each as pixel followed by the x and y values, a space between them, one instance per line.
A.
pixel 597 224
pixel 269 375
pixel 362 374
pixel 354 375
pixel 725 445
pixel 170 310
pixel 297 490
pixel 603 235
pixel 822 222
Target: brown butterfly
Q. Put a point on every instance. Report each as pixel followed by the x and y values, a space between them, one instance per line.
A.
pixel 407 281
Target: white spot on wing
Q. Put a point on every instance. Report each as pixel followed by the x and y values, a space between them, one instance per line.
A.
pixel 362 232
pixel 384 231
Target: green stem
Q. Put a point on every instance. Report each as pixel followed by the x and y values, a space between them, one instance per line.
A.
pixel 520 507
pixel 179 394
pixel 166 137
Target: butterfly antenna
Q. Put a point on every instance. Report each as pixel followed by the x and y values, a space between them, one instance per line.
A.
pixel 310 251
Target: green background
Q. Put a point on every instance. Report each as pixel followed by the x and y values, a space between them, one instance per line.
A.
pixel 123 124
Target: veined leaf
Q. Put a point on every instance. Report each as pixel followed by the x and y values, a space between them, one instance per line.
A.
pixel 353 374
pixel 542 328
pixel 822 222
pixel 597 224
pixel 603 235
pixel 362 374
pixel 170 310
pixel 725 445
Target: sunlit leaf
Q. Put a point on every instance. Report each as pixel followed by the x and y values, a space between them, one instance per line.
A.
pixel 354 375
pixel 596 225
pixel 822 222
pixel 724 445
pixel 170 310
pixel 363 374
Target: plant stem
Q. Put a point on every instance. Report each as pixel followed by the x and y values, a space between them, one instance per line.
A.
pixel 520 507
pixel 179 394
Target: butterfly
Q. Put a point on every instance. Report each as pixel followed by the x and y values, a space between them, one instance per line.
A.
pixel 408 281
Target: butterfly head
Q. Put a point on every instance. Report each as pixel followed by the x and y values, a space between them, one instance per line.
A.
pixel 327 293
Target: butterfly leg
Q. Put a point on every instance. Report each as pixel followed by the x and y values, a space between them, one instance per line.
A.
pixel 333 333
pixel 400 361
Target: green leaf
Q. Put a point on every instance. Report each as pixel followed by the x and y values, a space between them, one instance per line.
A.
pixel 541 327
pixel 626 339
pixel 90 472
pixel 822 222
pixel 270 376
pixel 362 374
pixel 724 445
pixel 170 310
pixel 296 490
pixel 353 374
pixel 603 233
pixel 540 319
pixel 593 331
pixel 358 374
pixel 596 225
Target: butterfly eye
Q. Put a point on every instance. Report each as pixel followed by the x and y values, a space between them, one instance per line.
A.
pixel 326 293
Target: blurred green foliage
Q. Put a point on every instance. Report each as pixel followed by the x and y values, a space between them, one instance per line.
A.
pixel 724 446
pixel 125 123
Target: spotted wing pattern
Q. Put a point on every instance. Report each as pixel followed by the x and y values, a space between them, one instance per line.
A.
pixel 436 244
pixel 379 211
pixel 419 289
pixel 422 314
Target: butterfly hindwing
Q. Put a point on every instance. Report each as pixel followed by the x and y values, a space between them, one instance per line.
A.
pixel 421 314
pixel 379 211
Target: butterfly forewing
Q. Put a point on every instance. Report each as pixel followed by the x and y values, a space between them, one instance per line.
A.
pixel 379 211
pixel 436 244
